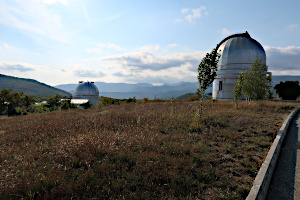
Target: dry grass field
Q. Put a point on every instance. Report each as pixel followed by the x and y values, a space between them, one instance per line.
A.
pixel 138 151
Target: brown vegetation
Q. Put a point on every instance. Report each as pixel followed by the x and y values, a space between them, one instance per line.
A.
pixel 138 151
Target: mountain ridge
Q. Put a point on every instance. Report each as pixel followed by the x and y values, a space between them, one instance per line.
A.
pixel 29 86
pixel 147 90
pixel 113 90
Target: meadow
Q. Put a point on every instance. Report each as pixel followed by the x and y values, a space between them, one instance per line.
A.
pixel 157 150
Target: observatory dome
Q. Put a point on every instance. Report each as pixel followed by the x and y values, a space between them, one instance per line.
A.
pixel 86 89
pixel 240 51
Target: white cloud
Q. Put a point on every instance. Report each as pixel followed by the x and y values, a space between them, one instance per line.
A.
pixel 192 14
pixel 89 73
pixel 153 68
pixel 189 18
pixel 157 47
pixel 51 75
pixel 283 60
pixel 145 66
pixel 292 27
pixel 121 74
pixel 169 75
pixel 197 13
pixel 15 66
pixel 148 60
pixel 6 46
pixel 224 31
pixel 283 50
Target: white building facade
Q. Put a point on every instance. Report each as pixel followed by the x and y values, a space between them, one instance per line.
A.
pixel 238 53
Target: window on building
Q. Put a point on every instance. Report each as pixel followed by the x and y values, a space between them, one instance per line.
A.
pixel 220 85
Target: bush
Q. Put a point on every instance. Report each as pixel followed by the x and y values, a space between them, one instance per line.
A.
pixel 38 109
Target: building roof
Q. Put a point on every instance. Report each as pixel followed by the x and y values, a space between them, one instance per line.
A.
pixel 79 101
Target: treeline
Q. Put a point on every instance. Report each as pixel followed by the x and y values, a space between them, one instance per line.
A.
pixel 18 103
pixel 111 101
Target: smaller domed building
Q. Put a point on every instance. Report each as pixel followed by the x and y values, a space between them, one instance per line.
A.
pixel 87 91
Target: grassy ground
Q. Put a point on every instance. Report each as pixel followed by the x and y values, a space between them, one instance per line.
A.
pixel 138 151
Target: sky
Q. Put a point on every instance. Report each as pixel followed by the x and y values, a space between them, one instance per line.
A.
pixel 138 41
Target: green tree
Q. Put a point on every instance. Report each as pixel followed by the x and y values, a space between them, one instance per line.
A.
pixel 38 109
pixel 20 103
pixel 54 103
pixel 15 103
pixel 288 90
pixel 207 72
pixel 65 105
pixel 254 83
pixel 5 98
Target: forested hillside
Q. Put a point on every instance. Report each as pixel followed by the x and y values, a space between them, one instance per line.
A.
pixel 30 87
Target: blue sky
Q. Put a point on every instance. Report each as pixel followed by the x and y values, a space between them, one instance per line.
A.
pixel 136 41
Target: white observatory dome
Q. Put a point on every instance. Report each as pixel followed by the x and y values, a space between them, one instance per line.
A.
pixel 238 53
pixel 87 90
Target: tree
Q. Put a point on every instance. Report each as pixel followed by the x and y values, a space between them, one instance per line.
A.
pixel 5 98
pixel 54 103
pixel 254 83
pixel 38 109
pixel 15 103
pixel 207 72
pixel 288 90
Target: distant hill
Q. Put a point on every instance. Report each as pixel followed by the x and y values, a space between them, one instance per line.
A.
pixel 107 87
pixel 139 90
pixel 30 87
